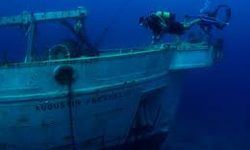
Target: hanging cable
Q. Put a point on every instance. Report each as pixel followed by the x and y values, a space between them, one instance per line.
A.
pixel 64 75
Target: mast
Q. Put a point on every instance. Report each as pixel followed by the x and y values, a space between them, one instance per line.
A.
pixel 30 21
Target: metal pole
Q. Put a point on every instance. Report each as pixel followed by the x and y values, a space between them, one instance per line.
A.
pixel 30 42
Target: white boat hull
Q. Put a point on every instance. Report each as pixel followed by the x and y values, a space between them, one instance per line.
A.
pixel 111 97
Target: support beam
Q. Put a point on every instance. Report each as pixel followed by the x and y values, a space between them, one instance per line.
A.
pixel 30 20
pixel 27 18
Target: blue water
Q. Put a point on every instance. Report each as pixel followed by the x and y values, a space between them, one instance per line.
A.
pixel 214 112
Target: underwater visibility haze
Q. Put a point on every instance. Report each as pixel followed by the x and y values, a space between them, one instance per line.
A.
pixel 212 114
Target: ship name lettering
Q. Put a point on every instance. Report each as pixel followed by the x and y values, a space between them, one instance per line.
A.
pixel 57 105
pixel 108 97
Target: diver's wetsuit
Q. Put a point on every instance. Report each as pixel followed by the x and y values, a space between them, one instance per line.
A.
pixel 159 25
pixel 154 24
pixel 175 28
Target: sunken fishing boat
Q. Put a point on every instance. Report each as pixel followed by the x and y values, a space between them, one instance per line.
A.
pixel 97 100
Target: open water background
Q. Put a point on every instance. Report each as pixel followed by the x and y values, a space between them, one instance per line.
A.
pixel 214 111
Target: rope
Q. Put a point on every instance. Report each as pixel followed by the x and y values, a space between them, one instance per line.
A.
pixel 70 103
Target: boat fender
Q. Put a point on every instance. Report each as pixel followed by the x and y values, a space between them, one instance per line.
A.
pixel 64 75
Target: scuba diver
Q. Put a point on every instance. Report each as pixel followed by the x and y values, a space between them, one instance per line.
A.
pixel 162 22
